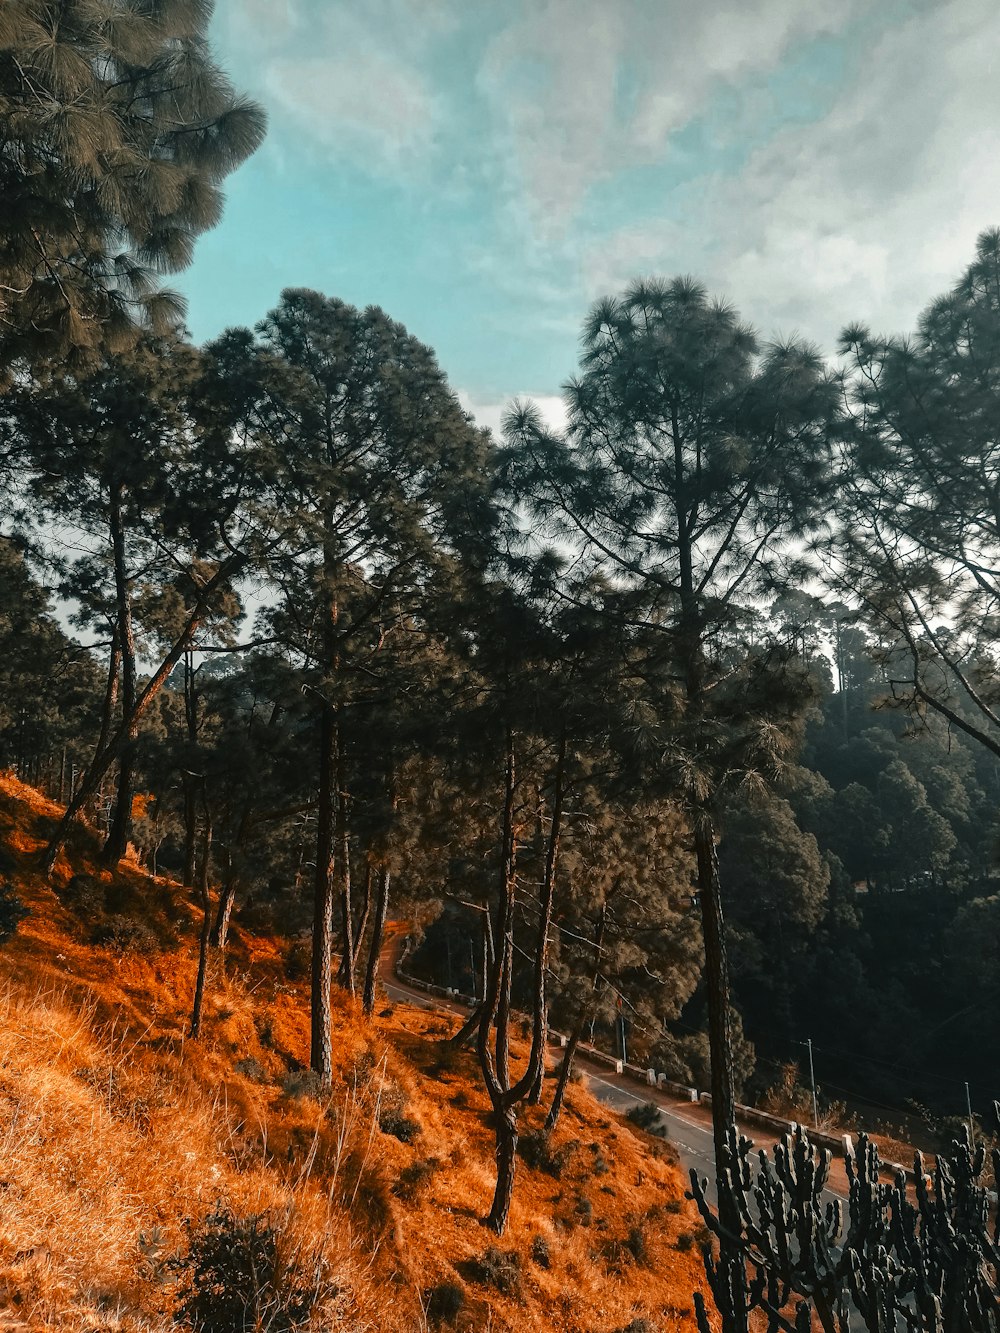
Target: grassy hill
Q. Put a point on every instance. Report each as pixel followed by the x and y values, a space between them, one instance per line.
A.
pixel 128 1153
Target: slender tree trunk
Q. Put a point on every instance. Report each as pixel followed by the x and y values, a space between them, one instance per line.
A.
pixel 102 761
pixel 345 973
pixel 361 925
pixel 190 796
pixel 110 690
pixel 565 1069
pixel 223 915
pixel 321 1048
pixel 206 922
pixel 378 933
pixel 120 825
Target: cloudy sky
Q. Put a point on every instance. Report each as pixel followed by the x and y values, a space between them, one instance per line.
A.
pixel 485 170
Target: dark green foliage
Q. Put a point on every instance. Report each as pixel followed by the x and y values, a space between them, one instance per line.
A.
pixel 647 1116
pixel 85 895
pixel 113 189
pixel 12 911
pixel 241 1275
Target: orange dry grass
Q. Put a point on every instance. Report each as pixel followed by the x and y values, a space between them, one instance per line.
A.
pixel 114 1129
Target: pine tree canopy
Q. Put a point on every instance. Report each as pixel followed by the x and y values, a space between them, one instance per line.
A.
pixel 117 132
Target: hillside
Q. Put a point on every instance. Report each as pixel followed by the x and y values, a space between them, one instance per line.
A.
pixel 119 1138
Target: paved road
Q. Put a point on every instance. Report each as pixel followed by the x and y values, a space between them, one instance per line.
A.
pixel 688 1130
pixel 692 1140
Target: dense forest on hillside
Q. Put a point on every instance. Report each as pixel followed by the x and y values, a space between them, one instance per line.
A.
pixel 675 728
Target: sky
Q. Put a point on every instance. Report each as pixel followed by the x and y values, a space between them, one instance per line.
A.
pixel 486 170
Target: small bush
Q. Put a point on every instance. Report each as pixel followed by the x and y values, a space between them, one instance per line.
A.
pixel 536 1151
pixel 414 1178
pixel 499 1269
pixel 637 1326
pixel 84 894
pixel 647 1116
pixel 540 1252
pixel 12 912
pixel 298 960
pixel 444 1303
pixel 304 1083
pixel 125 934
pixel 241 1276
pixel 251 1069
pixel 393 1121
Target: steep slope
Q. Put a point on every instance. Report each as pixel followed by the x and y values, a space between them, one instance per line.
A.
pixel 118 1137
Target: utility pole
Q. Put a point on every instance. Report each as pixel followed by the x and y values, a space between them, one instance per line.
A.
pixel 812 1080
pixel 621 1031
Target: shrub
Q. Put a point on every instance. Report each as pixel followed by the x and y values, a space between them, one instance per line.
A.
pixel 414 1177
pixel 393 1121
pixel 252 1069
pixel 85 895
pixel 499 1269
pixel 240 1275
pixel 646 1115
pixel 12 912
pixel 304 1083
pixel 444 1303
pixel 535 1149
pixel 298 960
pixel 540 1252
pixel 125 934
pixel 637 1326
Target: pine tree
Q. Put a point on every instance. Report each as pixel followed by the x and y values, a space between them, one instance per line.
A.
pixel 118 130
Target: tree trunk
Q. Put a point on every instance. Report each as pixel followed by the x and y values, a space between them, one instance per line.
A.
pixel 506 1156
pixel 120 827
pixel 565 1069
pixel 361 925
pixel 206 923
pixel 321 1048
pixel 378 933
pixel 102 761
pixel 190 799
pixel 345 973
pixel 717 983
pixel 223 915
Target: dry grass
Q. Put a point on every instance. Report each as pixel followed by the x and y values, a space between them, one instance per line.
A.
pixel 115 1130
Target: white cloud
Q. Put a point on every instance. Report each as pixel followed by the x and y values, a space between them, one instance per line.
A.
pixel 490 413
pixel 364 104
pixel 584 88
pixel 866 214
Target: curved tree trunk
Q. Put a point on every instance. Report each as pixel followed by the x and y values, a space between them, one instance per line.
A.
pixel 506 1157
